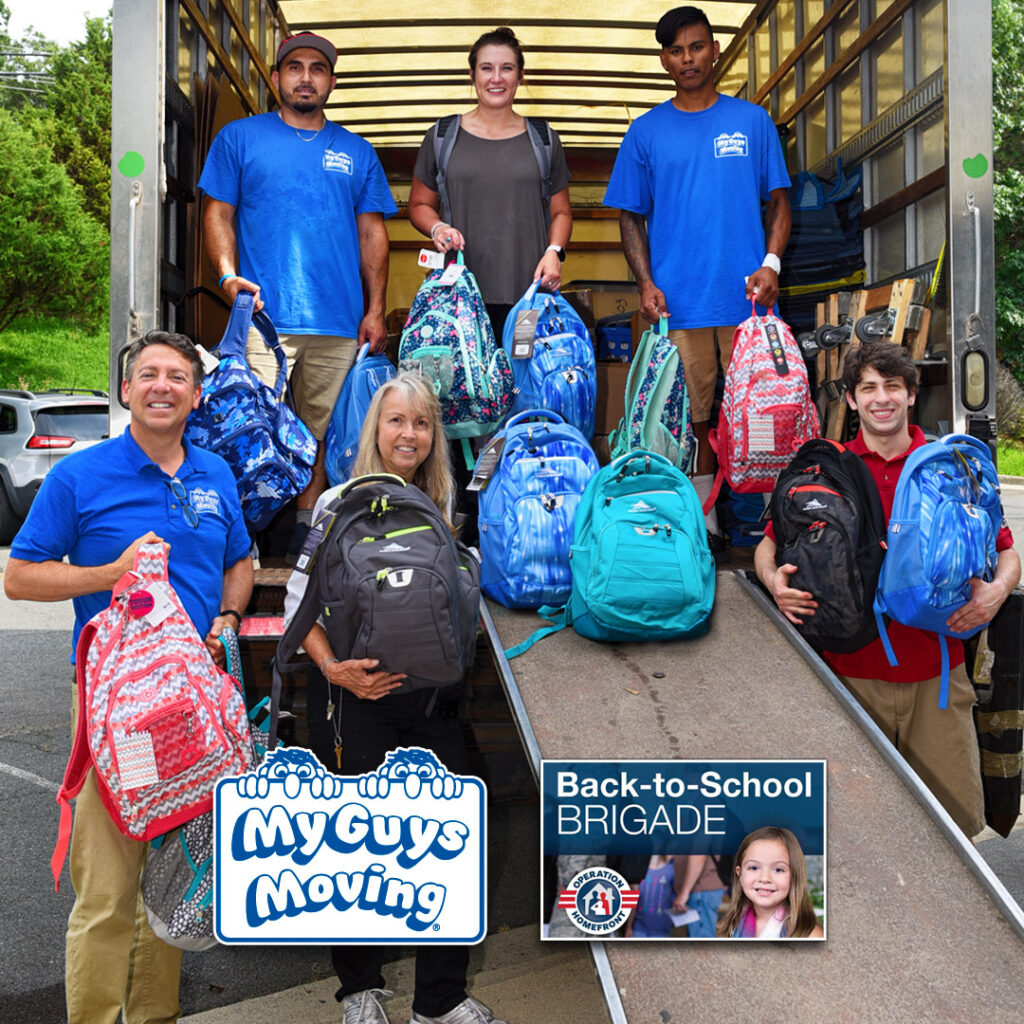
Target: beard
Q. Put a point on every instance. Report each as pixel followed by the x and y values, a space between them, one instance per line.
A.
pixel 303 103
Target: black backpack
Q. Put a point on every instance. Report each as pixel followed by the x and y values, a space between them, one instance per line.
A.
pixel 829 522
pixel 389 581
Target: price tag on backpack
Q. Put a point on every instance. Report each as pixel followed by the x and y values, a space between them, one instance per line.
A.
pixel 432 259
pixel 317 532
pixel 452 274
pixel 486 463
pixel 525 333
pixel 210 362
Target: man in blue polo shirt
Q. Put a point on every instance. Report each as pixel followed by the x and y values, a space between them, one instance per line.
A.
pixel 689 181
pixel 295 208
pixel 95 508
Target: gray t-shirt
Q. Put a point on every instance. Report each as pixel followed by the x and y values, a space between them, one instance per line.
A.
pixel 495 193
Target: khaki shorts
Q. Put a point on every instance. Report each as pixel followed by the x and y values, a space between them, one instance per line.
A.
pixel 702 350
pixel 317 366
pixel 940 745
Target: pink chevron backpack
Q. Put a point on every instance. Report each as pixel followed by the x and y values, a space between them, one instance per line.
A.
pixel 767 412
pixel 157 719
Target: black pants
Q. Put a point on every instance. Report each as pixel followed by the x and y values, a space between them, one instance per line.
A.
pixel 369 729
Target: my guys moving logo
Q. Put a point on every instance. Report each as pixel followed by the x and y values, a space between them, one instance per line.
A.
pixel 393 856
pixel 730 145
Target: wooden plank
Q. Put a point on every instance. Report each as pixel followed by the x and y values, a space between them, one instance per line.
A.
pixel 917 341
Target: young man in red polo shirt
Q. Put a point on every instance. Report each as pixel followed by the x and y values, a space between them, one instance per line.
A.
pixel 940 745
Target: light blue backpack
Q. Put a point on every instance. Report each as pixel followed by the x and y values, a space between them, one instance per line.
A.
pixel 448 338
pixel 367 374
pixel 528 509
pixel 657 416
pixel 946 514
pixel 561 374
pixel 640 561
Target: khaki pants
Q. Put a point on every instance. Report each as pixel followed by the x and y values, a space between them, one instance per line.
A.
pixel 939 744
pixel 317 366
pixel 114 962
pixel 702 349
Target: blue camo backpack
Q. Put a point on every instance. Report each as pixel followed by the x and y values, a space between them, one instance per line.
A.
pixel 448 338
pixel 342 441
pixel 269 449
pixel 528 509
pixel 946 514
pixel 640 561
pixel 657 415
pixel 561 374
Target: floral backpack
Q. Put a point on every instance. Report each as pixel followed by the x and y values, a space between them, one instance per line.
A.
pixel 448 338
pixel 767 412
pixel 657 416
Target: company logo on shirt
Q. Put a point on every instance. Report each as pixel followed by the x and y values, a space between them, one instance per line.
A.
pixel 204 501
pixel 337 161
pixel 730 145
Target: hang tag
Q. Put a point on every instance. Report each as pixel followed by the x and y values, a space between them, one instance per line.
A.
pixel 317 532
pixel 486 463
pixel 431 259
pixel 136 760
pixel 452 274
pixel 210 362
pixel 525 333
pixel 162 605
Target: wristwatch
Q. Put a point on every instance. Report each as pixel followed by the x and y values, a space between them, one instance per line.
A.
pixel 558 250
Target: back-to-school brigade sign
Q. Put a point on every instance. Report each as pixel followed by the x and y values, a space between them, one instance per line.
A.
pixel 393 856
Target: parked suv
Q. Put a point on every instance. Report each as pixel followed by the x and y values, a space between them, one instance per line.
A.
pixel 37 429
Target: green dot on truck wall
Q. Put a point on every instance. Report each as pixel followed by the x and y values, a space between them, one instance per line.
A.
pixel 132 164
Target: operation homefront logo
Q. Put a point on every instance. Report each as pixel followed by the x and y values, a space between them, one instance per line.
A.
pixel 397 855
pixel 598 900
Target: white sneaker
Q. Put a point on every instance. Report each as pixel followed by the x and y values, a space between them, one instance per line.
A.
pixel 364 1007
pixel 469 1011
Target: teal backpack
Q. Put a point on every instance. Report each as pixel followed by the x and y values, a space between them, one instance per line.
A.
pixel 657 416
pixel 640 562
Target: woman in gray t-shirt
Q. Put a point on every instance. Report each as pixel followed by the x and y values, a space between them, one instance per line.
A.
pixel 493 181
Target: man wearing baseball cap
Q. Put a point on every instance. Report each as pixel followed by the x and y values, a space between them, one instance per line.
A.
pixel 295 209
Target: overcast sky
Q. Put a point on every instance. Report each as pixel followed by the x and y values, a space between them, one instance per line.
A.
pixel 60 20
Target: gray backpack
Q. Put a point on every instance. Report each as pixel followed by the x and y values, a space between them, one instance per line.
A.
pixel 388 581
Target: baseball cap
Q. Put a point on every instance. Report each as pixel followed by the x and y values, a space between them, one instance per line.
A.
pixel 307 40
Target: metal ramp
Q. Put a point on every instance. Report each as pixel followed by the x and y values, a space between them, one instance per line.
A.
pixel 919 929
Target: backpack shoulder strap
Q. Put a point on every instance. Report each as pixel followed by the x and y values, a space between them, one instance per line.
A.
pixel 539 132
pixel 446 131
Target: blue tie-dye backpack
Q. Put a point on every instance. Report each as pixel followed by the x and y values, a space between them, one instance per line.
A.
pixel 448 338
pixel 560 374
pixel 269 449
pixel 657 415
pixel 528 509
pixel 946 514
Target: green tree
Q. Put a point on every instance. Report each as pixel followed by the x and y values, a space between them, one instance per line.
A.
pixel 79 102
pixel 1008 143
pixel 53 255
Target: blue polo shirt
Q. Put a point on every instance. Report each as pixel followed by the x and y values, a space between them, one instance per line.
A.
pixel 94 503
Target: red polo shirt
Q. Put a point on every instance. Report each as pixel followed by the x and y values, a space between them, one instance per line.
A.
pixel 917 650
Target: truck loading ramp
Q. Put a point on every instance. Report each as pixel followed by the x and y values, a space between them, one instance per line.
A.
pixel 919 929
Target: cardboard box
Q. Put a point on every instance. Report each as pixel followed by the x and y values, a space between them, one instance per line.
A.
pixel 611 396
pixel 608 297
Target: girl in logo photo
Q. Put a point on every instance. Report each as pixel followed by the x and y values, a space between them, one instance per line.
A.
pixel 770 899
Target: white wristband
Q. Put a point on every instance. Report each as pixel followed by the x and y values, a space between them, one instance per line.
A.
pixel 773 261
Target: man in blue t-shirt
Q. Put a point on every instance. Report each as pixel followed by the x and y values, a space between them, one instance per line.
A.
pixel 95 508
pixel 295 208
pixel 689 180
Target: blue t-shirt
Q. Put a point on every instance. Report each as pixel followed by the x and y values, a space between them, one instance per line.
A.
pixel 699 179
pixel 94 503
pixel 295 205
